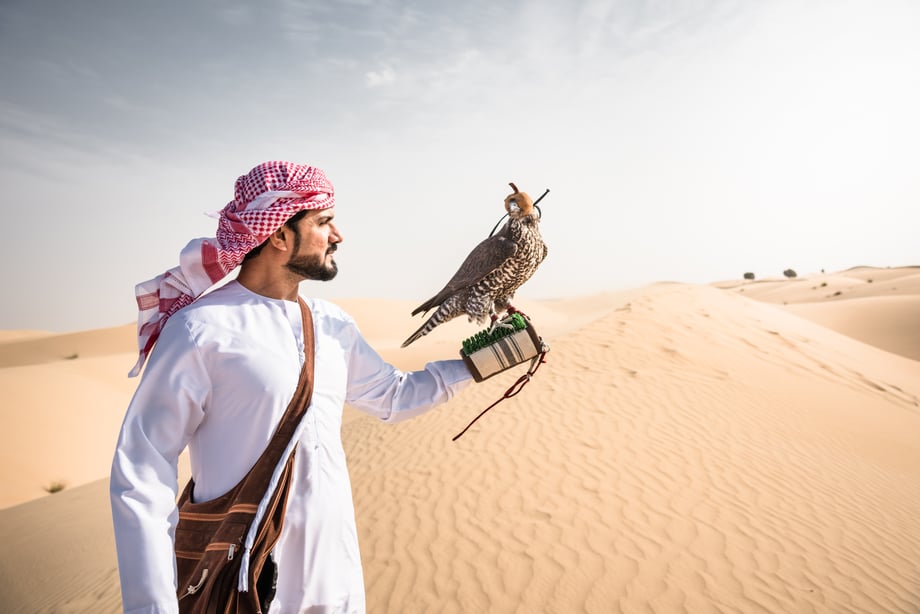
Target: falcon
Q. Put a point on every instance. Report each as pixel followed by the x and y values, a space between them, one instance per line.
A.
pixel 486 281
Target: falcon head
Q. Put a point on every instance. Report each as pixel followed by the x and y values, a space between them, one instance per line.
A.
pixel 519 205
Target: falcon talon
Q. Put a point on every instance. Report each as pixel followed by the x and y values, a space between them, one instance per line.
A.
pixel 513 310
pixel 500 324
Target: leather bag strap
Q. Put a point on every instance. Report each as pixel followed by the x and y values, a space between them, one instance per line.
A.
pixel 297 408
pixel 252 490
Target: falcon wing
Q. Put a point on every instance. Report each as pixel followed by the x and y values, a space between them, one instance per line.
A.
pixel 485 258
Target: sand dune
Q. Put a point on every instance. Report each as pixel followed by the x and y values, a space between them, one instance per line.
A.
pixel 888 322
pixel 59 554
pixel 60 422
pixel 880 307
pixel 20 335
pixel 691 452
pixel 35 348
pixel 64 399
pixel 684 449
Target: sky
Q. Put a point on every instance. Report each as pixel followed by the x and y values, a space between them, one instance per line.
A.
pixel 681 140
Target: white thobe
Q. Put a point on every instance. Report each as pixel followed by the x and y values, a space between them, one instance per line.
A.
pixel 218 381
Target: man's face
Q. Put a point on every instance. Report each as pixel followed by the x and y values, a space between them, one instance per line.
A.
pixel 315 240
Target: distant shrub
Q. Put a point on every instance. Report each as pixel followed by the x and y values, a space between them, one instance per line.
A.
pixel 823 284
pixel 837 293
pixel 789 273
pixel 56 486
pixel 749 276
pixel 73 356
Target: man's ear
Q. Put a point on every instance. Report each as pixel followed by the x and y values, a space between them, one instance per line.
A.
pixel 279 238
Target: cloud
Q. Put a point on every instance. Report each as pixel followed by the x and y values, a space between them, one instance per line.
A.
pixel 235 15
pixel 39 138
pixel 384 76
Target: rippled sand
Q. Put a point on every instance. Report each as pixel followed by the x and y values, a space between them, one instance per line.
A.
pixel 740 447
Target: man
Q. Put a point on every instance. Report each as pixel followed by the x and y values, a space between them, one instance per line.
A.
pixel 222 369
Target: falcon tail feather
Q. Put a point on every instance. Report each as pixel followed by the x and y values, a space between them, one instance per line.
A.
pixel 426 306
pixel 425 328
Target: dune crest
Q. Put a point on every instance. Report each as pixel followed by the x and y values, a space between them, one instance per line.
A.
pixel 44 348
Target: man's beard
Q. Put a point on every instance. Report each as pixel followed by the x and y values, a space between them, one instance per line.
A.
pixel 314 267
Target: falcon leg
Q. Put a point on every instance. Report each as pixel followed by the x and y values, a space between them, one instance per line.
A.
pixel 496 323
pixel 512 309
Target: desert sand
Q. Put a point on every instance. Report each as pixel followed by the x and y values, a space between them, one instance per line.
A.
pixel 744 446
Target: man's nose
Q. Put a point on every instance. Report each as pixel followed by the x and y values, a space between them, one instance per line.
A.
pixel 336 236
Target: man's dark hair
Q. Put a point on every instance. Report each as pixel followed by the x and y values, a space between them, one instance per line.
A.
pixel 291 223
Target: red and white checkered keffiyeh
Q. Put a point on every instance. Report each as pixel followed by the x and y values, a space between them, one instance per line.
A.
pixel 264 199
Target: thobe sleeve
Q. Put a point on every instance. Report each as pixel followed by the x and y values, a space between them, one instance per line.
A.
pixel 381 390
pixel 163 415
